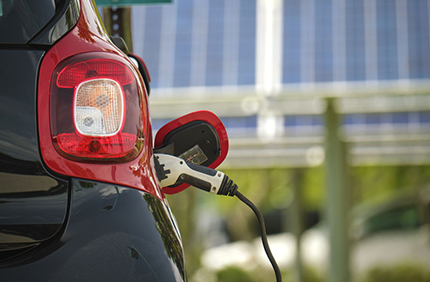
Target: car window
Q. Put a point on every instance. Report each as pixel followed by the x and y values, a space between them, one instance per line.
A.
pixel 401 218
pixel 20 20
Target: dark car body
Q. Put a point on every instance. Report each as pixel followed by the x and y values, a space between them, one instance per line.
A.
pixel 95 213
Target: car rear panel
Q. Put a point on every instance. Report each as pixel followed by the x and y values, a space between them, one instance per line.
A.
pixel 113 233
pixel 33 204
pixel 58 226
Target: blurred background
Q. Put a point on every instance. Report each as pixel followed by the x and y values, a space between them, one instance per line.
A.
pixel 327 107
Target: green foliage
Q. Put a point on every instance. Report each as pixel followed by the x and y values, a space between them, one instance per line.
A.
pixel 398 273
pixel 313 188
pixel 376 183
pixel 233 274
pixel 260 274
pixel 312 275
pixel 309 275
pixel 271 189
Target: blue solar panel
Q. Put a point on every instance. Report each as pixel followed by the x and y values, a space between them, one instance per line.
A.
pixel 373 119
pixel 353 119
pixel 151 39
pixel 323 41
pixel 383 39
pixel 240 122
pixel 387 40
pixel 394 119
pixel 355 45
pixel 400 118
pixel 401 35
pixel 247 42
pixel 291 44
pixel 184 25
pixel 312 25
pixel 315 123
pixel 418 37
pixel 303 121
pixel 215 43
pixel 424 118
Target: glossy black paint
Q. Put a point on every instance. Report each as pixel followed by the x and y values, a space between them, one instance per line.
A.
pixel 42 21
pixel 113 234
pixel 20 20
pixel 33 204
pixel 64 20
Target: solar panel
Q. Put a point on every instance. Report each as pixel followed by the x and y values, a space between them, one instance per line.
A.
pixel 197 43
pixel 211 44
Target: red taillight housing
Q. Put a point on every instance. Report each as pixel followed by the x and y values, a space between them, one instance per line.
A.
pixel 92 110
pixel 95 113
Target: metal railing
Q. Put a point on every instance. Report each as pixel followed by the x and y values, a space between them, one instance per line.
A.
pixel 376 144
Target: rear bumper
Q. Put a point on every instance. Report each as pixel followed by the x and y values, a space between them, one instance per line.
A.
pixel 112 233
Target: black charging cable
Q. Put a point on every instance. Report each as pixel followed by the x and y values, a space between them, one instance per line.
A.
pixel 263 234
pixel 229 188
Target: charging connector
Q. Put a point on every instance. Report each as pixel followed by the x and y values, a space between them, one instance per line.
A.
pixel 174 171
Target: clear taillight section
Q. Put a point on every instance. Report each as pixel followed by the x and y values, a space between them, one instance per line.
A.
pixel 96 109
pixel 99 107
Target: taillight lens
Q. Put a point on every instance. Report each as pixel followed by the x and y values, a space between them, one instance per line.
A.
pixel 96 109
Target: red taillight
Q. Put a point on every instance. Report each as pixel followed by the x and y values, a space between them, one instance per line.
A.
pixel 84 133
pixel 73 74
pixel 96 148
pixel 96 114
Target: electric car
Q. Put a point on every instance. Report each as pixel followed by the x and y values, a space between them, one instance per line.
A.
pixel 80 197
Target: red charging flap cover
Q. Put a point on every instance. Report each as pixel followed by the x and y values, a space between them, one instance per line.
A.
pixel 203 115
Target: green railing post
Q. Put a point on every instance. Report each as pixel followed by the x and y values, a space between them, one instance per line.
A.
pixel 297 221
pixel 337 202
